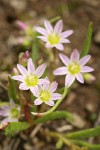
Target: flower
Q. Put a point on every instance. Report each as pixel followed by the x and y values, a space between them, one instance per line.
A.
pixel 21 24
pixel 45 93
pixel 54 37
pixel 30 77
pixel 11 112
pixel 74 67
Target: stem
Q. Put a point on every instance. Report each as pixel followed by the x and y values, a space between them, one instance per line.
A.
pixel 60 136
pixel 84 133
pixel 55 106
pixel 88 145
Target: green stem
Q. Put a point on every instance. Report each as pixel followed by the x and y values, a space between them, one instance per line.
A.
pixel 60 136
pixel 54 107
pixel 84 133
pixel 88 145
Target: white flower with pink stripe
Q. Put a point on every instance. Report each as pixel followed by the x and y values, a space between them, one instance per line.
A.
pixel 10 112
pixel 54 37
pixel 45 93
pixel 30 77
pixel 74 67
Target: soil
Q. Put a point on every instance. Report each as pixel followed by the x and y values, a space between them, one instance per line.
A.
pixel 83 100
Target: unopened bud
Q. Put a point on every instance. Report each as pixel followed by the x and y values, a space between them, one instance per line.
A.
pixel 15 71
pixel 89 78
pixel 21 24
pixel 23 58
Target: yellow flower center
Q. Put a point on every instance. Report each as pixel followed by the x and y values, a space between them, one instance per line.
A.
pixel 74 68
pixel 53 38
pixel 31 80
pixel 45 95
pixel 14 113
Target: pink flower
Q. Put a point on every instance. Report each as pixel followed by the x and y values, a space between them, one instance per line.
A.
pixel 54 37
pixel 21 24
pixel 11 112
pixel 30 77
pixel 45 93
pixel 74 67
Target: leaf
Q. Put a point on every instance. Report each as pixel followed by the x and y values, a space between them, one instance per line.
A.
pixel 12 89
pixel 84 133
pixel 35 49
pixel 55 115
pixel 87 42
pixel 88 145
pixel 15 127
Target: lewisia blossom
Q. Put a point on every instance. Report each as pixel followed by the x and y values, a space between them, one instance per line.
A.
pixel 54 37
pixel 11 112
pixel 74 67
pixel 30 77
pixel 45 93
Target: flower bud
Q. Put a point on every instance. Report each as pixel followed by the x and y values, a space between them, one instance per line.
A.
pixel 23 58
pixel 89 78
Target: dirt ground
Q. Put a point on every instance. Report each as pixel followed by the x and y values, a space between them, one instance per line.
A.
pixel 83 100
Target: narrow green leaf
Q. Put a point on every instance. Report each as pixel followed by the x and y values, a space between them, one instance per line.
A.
pixel 59 144
pixel 55 115
pixel 84 133
pixel 12 89
pixel 55 19
pixel 15 127
pixel 87 42
pixel 88 145
pixel 35 49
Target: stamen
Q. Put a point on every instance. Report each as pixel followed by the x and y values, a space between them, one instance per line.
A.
pixel 53 38
pixel 14 113
pixel 31 80
pixel 45 95
pixel 74 68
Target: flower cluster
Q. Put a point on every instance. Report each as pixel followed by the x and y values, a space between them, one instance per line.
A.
pixel 31 78
pixel 40 88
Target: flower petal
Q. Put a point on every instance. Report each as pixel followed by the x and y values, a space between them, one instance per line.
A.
pixel 60 71
pixel 19 78
pixel 23 86
pixel 35 91
pixel 69 80
pixel 86 69
pixel 41 30
pixel 66 33
pixel 43 38
pixel 40 70
pixel 42 81
pixel 48 26
pixel 65 41
pixel 75 55
pixel 30 66
pixel 64 59
pixel 48 45
pixel 59 47
pixel 84 60
pixel 58 27
pixel 50 103
pixel 22 70
pixel 37 102
pixel 79 77
pixel 7 119
pixel 53 86
pixel 56 96
pixel 46 85
pixel 4 112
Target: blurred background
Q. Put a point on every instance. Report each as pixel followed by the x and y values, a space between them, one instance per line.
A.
pixel 83 100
